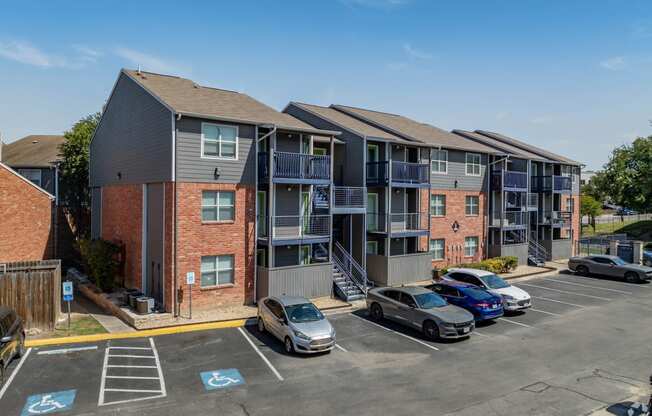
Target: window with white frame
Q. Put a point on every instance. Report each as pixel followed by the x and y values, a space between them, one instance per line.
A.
pixel 470 246
pixel 472 205
pixel 438 205
pixel 32 175
pixel 438 248
pixel 216 270
pixel 473 164
pixel 218 141
pixel 218 206
pixel 439 161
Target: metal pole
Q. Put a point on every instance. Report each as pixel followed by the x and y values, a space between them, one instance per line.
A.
pixel 68 317
pixel 190 300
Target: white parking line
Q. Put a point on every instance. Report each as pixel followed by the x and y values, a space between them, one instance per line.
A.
pixel 398 333
pixel 341 348
pixel 134 391
pixel 134 377
pixel 130 356
pixel 13 374
pixel 591 287
pixel 269 364
pixel 558 301
pixel 545 312
pixel 516 323
pixel 131 366
pixel 617 282
pixel 66 350
pixel 475 332
pixel 566 292
pixel 130 348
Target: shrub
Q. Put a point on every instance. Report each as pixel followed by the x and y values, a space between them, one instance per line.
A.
pixel 511 262
pixel 100 261
pixel 493 265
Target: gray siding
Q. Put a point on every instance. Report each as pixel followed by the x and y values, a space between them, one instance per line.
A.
pixel 192 167
pixel 517 250
pixel 558 249
pixel 134 138
pixel 47 177
pixel 310 281
pixel 457 172
pixel 96 212
pixel 398 270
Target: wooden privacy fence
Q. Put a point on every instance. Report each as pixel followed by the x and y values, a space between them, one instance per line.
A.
pixel 33 289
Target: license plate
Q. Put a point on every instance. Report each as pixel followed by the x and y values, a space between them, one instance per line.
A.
pixel 494 306
pixel 465 330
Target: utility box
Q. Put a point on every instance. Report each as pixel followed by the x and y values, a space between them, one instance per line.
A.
pixel 144 305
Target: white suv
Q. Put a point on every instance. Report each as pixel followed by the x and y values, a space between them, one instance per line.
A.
pixel 514 298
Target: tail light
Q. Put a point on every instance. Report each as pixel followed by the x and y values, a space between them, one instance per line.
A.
pixel 482 305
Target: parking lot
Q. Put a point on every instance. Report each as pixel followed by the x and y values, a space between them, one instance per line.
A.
pixel 584 345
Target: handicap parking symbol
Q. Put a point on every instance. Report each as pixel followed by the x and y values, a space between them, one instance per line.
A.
pixel 43 404
pixel 221 379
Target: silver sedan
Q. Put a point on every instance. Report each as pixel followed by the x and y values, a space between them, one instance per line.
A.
pixel 612 266
pixel 297 322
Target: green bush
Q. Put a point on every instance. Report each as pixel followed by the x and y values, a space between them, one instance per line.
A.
pixel 511 262
pixel 493 265
pixel 100 261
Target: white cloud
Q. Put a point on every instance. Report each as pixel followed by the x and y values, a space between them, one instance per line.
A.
pixel 148 62
pixel 87 54
pixel 614 64
pixel 27 53
pixel 376 4
pixel 415 53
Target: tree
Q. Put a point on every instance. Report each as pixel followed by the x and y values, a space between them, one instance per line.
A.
pixel 75 192
pixel 591 208
pixel 627 177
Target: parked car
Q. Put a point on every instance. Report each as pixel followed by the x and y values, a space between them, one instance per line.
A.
pixel 421 309
pixel 626 211
pixel 297 322
pixel 483 304
pixel 612 266
pixel 647 254
pixel 12 338
pixel 514 298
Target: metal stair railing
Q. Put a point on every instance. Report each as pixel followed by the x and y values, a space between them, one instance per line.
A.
pixel 537 250
pixel 350 268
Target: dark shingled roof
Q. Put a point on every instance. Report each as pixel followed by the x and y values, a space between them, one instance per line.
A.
pixel 35 151
pixel 500 146
pixel 528 147
pixel 413 130
pixel 185 97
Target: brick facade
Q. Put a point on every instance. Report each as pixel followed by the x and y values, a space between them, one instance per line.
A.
pixel 469 226
pixel 122 222
pixel 196 239
pixel 26 232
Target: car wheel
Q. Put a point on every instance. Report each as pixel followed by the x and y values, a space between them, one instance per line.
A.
pixel 430 330
pixel 21 347
pixel 289 347
pixel 376 312
pixel 631 277
pixel 2 373
pixel 582 270
pixel 261 325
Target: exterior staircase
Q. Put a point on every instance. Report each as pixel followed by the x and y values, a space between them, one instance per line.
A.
pixel 344 286
pixel 320 197
pixel 349 278
pixel 537 255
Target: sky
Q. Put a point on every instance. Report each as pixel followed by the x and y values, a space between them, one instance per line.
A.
pixel 574 77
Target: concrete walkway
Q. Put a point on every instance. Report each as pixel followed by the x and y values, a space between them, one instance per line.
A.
pixel 109 322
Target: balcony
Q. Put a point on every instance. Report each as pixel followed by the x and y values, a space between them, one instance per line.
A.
pixel 562 183
pixel 399 225
pixel 402 174
pixel 552 183
pixel 509 220
pixel 556 219
pixel 532 202
pixel 513 181
pixel 296 229
pixel 541 183
pixel 295 168
pixel 349 200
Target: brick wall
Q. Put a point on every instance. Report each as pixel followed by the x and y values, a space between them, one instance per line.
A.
pixel 26 231
pixel 469 226
pixel 196 239
pixel 122 216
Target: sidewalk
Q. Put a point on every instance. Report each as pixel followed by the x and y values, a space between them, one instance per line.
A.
pixel 551 268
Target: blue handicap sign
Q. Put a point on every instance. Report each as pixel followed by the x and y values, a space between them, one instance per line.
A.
pixel 221 379
pixel 67 298
pixel 43 404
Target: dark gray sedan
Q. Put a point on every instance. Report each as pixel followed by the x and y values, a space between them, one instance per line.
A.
pixel 612 266
pixel 422 309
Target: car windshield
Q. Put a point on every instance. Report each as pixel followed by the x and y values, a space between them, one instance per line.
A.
pixel 430 300
pixel 494 282
pixel 305 312
pixel 619 261
pixel 478 294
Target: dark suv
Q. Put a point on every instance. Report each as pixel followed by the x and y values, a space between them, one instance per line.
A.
pixel 12 338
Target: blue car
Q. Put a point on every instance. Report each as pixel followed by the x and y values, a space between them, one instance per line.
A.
pixel 482 304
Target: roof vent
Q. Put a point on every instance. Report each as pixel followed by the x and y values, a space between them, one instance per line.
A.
pixel 34 141
pixel 195 85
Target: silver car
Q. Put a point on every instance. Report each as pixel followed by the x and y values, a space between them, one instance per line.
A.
pixel 297 322
pixel 612 266
pixel 422 309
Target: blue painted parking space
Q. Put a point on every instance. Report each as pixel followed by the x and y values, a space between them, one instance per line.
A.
pixel 47 403
pixel 221 379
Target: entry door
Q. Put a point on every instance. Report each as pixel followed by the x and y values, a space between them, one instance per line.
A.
pixel 261 213
pixel 372 156
pixel 372 211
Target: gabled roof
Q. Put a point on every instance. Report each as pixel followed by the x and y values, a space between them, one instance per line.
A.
pixel 35 151
pixel 185 97
pixel 528 147
pixel 413 130
pixel 507 149
pixel 347 122
pixel 26 181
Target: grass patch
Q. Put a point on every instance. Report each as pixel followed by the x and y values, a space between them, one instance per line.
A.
pixel 633 228
pixel 82 325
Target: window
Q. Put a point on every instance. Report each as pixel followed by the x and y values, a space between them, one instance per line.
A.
pixel 473 163
pixel 439 161
pixel 438 205
pixel 565 170
pixel 217 206
pixel 392 294
pixel 219 141
pixel 408 300
pixel 216 270
pixel 275 308
pixel 470 246
pixel 472 205
pixel 32 175
pixel 438 249
pixel 372 247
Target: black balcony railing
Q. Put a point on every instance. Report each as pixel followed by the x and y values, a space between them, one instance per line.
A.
pixel 300 226
pixel 412 173
pixel 295 166
pixel 513 180
pixel 541 183
pixel 350 197
pixel 562 183
pixel 398 223
pixel 556 218
pixel 377 173
pixel 509 219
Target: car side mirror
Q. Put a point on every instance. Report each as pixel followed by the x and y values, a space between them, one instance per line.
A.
pixel 5 340
pixel 282 321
